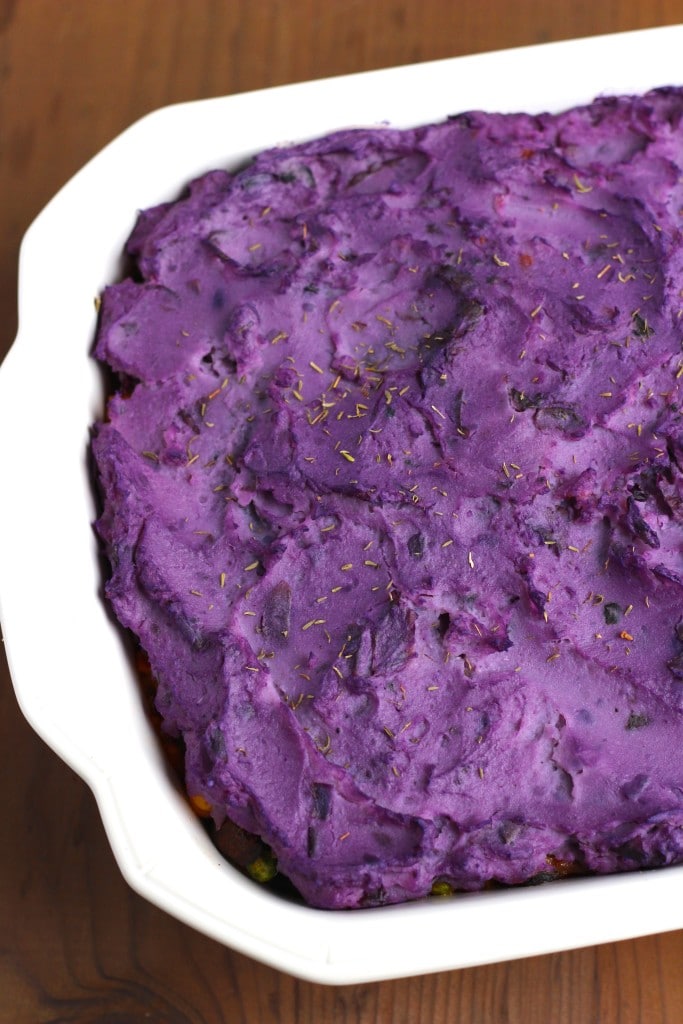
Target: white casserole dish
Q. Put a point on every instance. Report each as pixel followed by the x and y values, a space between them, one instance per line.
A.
pixel 71 674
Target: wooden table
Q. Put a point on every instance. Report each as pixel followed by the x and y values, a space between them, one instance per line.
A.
pixel 76 944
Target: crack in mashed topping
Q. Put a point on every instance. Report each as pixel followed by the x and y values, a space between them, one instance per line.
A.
pixel 392 496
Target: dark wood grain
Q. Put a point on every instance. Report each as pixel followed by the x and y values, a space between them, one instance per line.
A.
pixel 76 944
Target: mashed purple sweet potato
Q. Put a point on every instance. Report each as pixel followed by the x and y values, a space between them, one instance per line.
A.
pixel 392 496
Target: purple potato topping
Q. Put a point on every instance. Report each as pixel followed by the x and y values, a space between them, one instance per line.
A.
pixel 392 497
